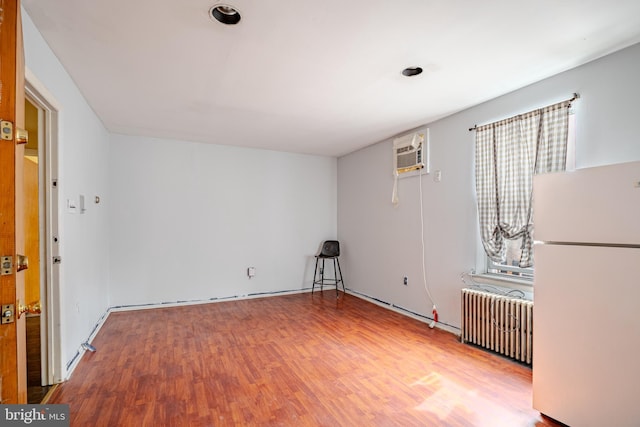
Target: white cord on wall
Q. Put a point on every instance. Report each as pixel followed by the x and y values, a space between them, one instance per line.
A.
pixel 424 268
pixel 394 195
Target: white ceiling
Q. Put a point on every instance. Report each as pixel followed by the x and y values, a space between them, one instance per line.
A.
pixel 319 77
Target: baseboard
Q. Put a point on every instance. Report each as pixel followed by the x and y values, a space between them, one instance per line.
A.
pixel 75 360
pixel 73 363
pixel 406 312
pixel 166 304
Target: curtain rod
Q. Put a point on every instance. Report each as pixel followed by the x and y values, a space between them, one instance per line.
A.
pixel 575 96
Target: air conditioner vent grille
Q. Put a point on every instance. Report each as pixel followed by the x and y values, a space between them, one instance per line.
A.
pixel 409 160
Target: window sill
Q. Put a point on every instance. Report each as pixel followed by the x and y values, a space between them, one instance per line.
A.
pixel 524 285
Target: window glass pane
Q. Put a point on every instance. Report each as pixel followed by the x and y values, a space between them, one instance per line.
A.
pixel 510 264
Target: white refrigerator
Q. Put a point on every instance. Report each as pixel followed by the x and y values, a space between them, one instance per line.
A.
pixel 586 332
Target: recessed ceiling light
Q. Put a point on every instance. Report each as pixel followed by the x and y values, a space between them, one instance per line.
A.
pixel 411 71
pixel 225 14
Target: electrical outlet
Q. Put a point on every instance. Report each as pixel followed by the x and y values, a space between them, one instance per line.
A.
pixel 251 272
pixel 405 280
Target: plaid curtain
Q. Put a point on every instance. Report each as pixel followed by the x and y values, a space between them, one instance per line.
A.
pixel 508 153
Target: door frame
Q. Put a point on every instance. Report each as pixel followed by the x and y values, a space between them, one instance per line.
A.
pixel 53 368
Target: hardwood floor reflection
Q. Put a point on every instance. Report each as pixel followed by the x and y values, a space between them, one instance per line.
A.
pixel 303 360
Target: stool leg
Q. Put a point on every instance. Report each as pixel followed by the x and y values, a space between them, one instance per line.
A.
pixel 315 272
pixel 341 279
pixel 335 276
pixel 322 276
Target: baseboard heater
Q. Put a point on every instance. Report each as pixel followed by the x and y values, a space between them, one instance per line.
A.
pixel 500 323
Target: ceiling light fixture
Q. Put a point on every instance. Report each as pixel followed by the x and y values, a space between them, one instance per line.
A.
pixel 225 14
pixel 411 71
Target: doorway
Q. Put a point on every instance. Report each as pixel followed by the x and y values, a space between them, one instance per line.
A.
pixel 36 388
pixel 44 367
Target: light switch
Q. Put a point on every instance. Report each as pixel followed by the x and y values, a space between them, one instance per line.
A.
pixel 72 207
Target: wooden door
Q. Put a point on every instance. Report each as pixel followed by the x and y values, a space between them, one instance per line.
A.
pixel 13 375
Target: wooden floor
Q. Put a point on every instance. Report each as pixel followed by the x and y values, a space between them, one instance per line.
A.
pixel 293 360
pixel 35 391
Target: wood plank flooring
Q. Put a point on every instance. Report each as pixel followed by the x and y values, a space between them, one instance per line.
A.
pixel 292 360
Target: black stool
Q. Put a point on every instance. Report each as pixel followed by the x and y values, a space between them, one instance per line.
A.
pixel 330 250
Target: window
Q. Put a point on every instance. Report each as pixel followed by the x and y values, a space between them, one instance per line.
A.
pixel 510 266
pixel 513 253
pixel 508 154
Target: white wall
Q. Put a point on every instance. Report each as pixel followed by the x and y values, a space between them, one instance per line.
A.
pixel 382 243
pixel 187 219
pixel 182 221
pixel 83 154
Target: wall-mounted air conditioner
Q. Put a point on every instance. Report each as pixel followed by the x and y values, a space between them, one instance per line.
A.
pixel 410 157
pixel 409 153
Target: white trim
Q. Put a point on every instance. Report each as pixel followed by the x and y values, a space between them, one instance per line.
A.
pixel 73 363
pixel 53 368
pixel 503 281
pixel 425 319
pixel 35 85
pixel 75 360
pixel 132 307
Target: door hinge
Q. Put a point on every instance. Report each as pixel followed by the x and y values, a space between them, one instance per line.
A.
pixel 57 260
pixel 6 130
pixel 54 183
pixel 6 265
